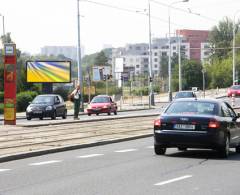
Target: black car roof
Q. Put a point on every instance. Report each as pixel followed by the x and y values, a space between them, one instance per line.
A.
pixel 48 95
pixel 211 100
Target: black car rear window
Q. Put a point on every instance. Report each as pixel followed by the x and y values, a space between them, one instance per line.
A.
pixel 192 107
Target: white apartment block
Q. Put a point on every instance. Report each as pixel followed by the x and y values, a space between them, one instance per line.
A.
pixel 136 56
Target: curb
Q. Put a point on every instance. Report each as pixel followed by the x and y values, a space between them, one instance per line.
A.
pixel 83 113
pixel 88 120
pixel 67 148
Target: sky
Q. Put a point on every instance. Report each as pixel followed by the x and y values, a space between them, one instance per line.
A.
pixel 34 24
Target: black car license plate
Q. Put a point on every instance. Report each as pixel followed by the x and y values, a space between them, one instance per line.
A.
pixel 37 112
pixel 184 126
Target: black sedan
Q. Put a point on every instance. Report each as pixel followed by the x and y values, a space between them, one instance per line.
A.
pixel 46 106
pixel 197 123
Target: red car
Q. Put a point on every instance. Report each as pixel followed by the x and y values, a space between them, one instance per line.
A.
pixel 235 89
pixel 102 104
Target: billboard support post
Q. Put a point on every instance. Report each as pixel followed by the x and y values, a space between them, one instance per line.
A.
pixel 47 88
pixel 10 84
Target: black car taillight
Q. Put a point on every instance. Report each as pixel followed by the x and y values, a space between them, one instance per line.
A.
pixel 214 124
pixel 157 123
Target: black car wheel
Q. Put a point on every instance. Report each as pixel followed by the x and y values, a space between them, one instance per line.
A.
pixel 159 150
pixel 224 150
pixel 29 118
pixel 238 149
pixel 97 114
pixel 115 112
pixel 89 114
pixel 53 115
pixel 109 113
pixel 64 116
pixel 41 118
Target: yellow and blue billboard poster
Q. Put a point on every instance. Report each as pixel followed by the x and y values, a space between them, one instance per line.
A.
pixel 48 71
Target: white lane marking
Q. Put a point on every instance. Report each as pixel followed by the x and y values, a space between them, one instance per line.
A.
pixel 2 170
pixel 45 162
pixel 173 180
pixel 150 147
pixel 90 155
pixel 126 150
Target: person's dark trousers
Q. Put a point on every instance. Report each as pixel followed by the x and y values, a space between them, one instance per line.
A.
pixel 76 107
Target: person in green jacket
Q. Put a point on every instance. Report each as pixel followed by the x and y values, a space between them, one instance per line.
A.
pixel 77 99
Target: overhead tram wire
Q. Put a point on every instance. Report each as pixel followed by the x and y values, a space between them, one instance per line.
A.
pixel 130 11
pixel 183 10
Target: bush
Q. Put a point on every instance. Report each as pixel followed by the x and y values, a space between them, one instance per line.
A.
pixel 24 98
pixel 1 96
pixel 62 92
pixel 1 108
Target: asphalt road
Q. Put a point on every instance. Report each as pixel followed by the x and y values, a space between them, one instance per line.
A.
pixel 122 168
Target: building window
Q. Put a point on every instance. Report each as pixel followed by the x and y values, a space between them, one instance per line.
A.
pixel 138 48
pixel 137 66
pixel 155 66
pixel 155 54
pixel 206 53
pixel 174 47
pixel 155 60
pixel 174 53
pixel 164 53
pixel 155 47
pixel 145 66
pixel 155 72
pixel 145 59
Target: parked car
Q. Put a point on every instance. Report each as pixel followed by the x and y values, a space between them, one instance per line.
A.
pixel 102 104
pixel 194 123
pixel 235 89
pixel 49 105
pixel 185 94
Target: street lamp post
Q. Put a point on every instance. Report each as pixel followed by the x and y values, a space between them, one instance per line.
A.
pixel 233 55
pixel 151 94
pixel 179 63
pixel 3 26
pixel 203 80
pixel 170 50
pixel 80 78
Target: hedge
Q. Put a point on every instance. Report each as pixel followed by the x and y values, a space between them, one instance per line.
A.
pixel 23 99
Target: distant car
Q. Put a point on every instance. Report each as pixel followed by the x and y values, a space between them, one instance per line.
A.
pixel 235 89
pixel 46 106
pixel 194 123
pixel 102 104
pixel 185 94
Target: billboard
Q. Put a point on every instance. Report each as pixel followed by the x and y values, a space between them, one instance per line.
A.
pixel 48 71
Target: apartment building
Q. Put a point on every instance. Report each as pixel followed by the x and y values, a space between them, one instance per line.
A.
pixel 193 43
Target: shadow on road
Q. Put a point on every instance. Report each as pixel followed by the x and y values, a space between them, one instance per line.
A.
pixel 203 154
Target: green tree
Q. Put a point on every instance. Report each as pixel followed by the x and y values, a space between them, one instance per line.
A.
pixel 101 59
pixel 191 74
pixel 221 37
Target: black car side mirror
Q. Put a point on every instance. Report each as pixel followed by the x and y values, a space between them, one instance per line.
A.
pixel 57 102
pixel 238 115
